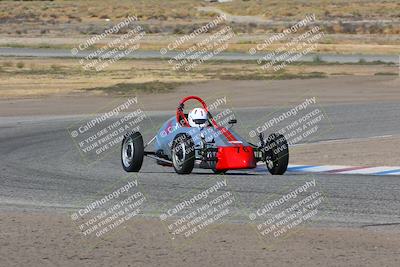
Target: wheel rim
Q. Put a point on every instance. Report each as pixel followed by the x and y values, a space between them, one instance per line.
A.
pixel 128 151
pixel 179 156
pixel 270 163
pixel 271 160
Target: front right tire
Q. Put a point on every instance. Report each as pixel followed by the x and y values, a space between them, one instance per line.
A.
pixel 183 154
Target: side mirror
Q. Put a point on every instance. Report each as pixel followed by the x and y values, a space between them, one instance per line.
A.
pixel 232 121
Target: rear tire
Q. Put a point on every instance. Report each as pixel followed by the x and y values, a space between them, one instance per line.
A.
pixel 277 154
pixel 132 152
pixel 183 154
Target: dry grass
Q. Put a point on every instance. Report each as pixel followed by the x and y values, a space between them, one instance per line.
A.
pixel 324 9
pixel 92 10
pixel 182 16
pixel 39 77
pixel 62 10
pixel 370 27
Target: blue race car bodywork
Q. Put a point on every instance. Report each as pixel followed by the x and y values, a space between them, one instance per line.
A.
pixel 213 147
pixel 171 128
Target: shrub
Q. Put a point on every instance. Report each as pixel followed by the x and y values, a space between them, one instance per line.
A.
pixel 55 67
pixel 20 65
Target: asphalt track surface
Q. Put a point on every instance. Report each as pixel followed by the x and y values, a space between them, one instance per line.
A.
pixel 41 169
pixel 57 53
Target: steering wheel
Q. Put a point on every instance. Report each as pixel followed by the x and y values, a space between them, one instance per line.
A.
pixel 180 116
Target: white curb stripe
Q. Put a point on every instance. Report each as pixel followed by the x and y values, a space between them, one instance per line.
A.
pixel 338 169
pixel 371 170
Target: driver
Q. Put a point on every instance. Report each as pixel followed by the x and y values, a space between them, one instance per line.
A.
pixel 198 117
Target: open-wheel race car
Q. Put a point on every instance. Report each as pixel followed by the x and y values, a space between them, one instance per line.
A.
pixel 195 139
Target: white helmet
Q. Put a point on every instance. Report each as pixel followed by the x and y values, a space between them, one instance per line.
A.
pixel 198 118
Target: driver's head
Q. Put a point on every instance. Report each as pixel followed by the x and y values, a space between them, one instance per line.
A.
pixel 198 118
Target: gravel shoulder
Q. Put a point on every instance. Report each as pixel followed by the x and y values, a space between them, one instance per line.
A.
pixel 379 151
pixel 43 239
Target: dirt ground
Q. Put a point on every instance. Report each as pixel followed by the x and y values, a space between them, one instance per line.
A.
pixel 50 239
pixel 22 78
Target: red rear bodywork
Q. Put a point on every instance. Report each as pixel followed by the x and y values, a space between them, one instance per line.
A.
pixel 232 157
pixel 235 157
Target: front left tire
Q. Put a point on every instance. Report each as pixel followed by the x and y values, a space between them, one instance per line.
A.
pixel 277 154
